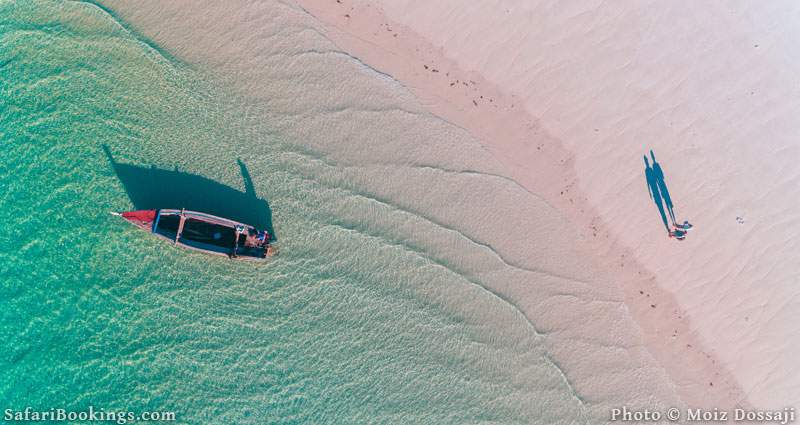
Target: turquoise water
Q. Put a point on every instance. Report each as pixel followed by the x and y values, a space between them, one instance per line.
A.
pixel 351 323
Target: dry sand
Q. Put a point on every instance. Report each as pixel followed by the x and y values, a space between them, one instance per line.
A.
pixel 565 101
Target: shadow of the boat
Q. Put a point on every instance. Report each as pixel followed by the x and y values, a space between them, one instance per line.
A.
pixel 154 188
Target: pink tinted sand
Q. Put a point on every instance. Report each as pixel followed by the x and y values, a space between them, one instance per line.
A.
pixel 570 98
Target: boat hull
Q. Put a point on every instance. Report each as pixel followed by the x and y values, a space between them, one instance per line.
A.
pixel 142 219
pixel 204 233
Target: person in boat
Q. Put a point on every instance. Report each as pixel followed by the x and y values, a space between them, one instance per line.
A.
pixel 237 231
pixel 261 240
pixel 256 238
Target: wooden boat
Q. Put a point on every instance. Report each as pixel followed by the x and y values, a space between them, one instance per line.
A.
pixel 204 232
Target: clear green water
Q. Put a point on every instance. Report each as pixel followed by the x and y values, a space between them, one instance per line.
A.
pixel 348 325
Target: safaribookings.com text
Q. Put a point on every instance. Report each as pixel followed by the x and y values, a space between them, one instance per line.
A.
pixel 30 414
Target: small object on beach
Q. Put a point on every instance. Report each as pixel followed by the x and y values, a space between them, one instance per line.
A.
pixel 740 220
pixel 677 234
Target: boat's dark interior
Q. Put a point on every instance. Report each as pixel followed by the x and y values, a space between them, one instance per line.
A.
pixel 168 225
pixel 208 233
pixel 204 235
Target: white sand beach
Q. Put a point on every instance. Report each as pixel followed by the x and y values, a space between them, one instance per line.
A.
pixel 521 128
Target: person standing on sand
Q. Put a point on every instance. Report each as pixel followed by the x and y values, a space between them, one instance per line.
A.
pixel 662 186
pixel 655 192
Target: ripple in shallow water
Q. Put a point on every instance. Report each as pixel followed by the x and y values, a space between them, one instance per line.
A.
pixel 371 313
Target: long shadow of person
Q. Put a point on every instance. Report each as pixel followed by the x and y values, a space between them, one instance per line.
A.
pixel 655 192
pixel 154 188
pixel 662 186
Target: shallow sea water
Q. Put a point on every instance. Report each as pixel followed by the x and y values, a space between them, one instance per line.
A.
pixel 374 311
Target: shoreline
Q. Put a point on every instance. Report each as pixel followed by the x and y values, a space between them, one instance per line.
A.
pixel 518 140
